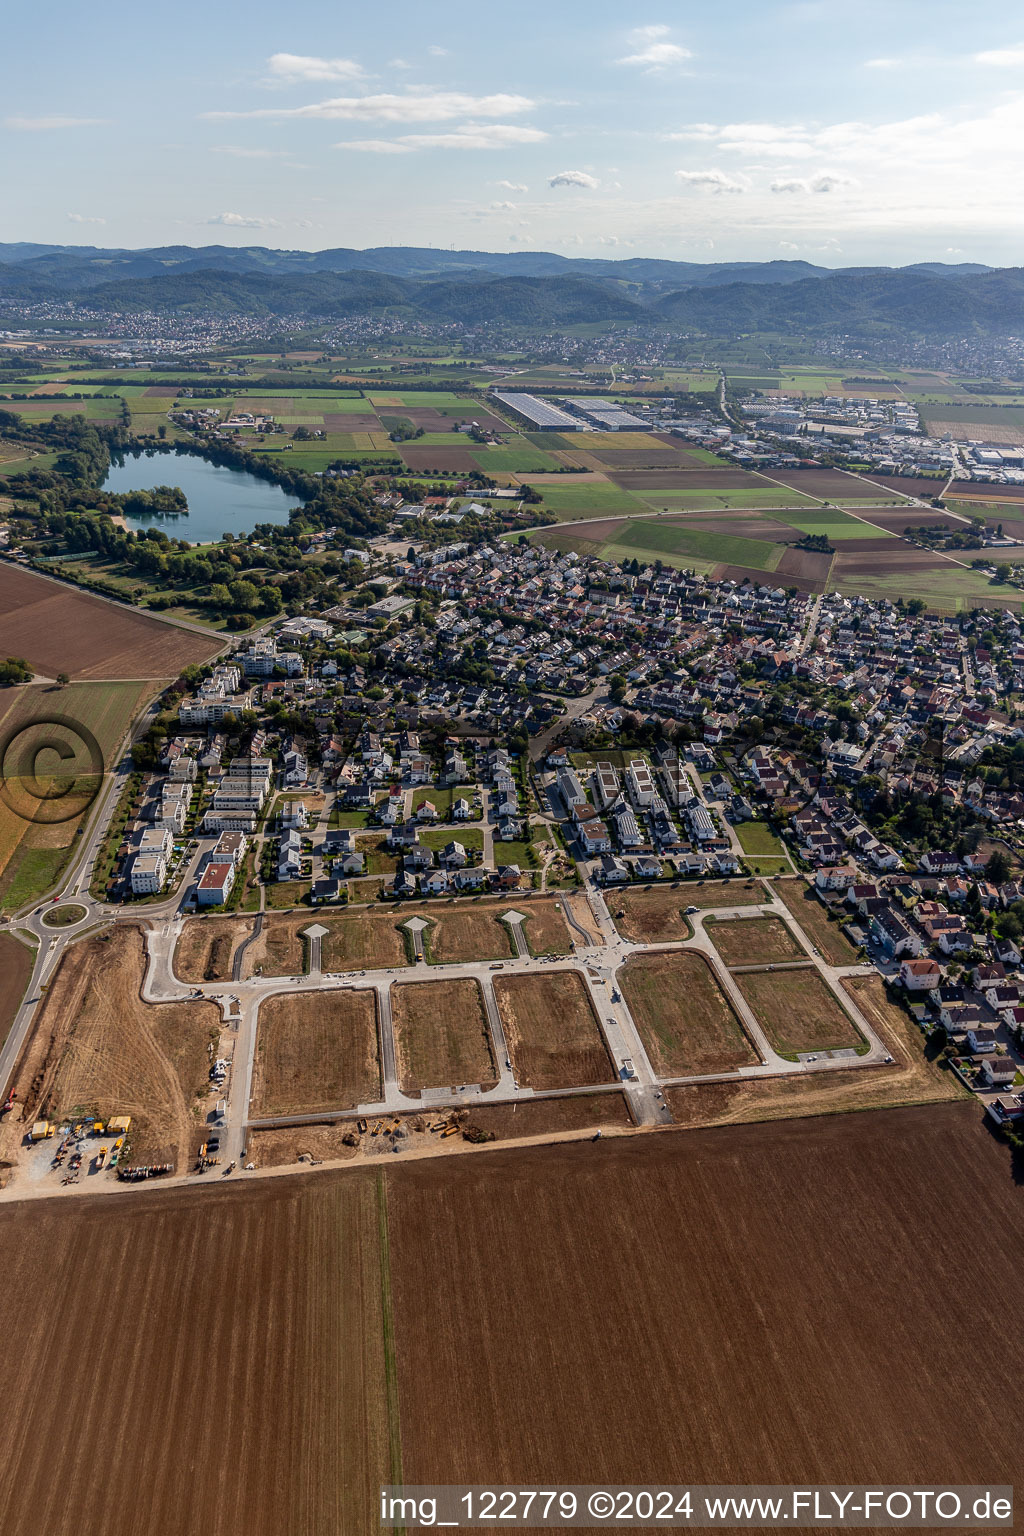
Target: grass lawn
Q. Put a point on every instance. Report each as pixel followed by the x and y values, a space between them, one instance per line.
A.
pixel 287 893
pixel 470 837
pixel 757 837
pixel 440 799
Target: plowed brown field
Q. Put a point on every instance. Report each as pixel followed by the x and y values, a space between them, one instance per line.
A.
pixel 59 629
pixel 441 1035
pixel 760 1303
pixel 763 1303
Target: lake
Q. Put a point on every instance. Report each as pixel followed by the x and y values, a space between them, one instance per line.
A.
pixel 220 500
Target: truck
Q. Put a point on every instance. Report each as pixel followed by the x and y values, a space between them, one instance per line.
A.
pixel 41 1130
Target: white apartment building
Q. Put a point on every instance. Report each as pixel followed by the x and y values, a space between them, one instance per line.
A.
pixel 148 874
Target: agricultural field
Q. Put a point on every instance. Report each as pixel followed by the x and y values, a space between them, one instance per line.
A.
pixel 38 617
pixel 812 916
pixel 798 1012
pixel 656 916
pixel 787 1216
pixel 753 940
pixel 47 796
pixel 684 1019
pixel 16 962
pixel 208 946
pixel 278 1294
pixel 316 1051
pixel 552 1031
pixel 441 1035
pixel 992 423
pixel 97 1046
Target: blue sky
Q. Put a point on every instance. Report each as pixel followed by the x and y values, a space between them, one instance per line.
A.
pixel 839 133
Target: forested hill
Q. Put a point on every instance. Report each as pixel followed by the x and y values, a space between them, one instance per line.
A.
pixel 930 300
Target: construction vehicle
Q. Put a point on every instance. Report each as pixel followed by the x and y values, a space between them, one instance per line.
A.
pixel 101 1157
pixel 98 1127
pixel 361 1126
pixel 41 1130
pixel 449 1130
pixel 9 1101
pixel 377 1128
pixel 439 1126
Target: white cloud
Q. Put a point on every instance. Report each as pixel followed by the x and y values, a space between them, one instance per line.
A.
pixel 240 152
pixel 1002 58
pixel 243 221
pixel 44 124
pixel 826 182
pixel 717 181
pixel 881 63
pixel 465 136
pixel 416 106
pixel 290 67
pixel 512 186
pixel 573 179
pixel 653 52
pixel 85 218
pixel 437 51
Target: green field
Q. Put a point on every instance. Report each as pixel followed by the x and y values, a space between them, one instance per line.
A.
pixel 951 589
pixel 682 545
pixel 835 525
pixel 438 400
pixel 573 500
pixel 756 837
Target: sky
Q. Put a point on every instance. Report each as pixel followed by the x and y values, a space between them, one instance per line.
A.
pixel 832 132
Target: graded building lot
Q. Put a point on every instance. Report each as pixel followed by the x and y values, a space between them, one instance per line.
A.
pixel 16 962
pixel 537 1117
pixel 468 932
pixel 207 947
pixel 552 1031
pixel 813 918
pixel 684 1019
pixel 546 930
pixel 718 1262
pixel 441 1035
pixel 656 916
pixel 753 940
pixel 96 1046
pixel 798 1012
pixel 316 1052
pixel 59 629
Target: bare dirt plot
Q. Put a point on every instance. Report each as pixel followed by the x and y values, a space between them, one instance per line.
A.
pixel 656 916
pixel 908 485
pixel 812 915
pixel 287 1145
pixel 16 962
pixel 97 1046
pixel 534 1117
pixel 719 1263
pixel 552 1031
pixel 685 1020
pixel 828 484
pixel 469 933
pixel 655 458
pixel 441 1035
pixel 710 478
pixel 895 520
pixel 753 941
pixel 351 421
pixel 902 557
pixel 59 629
pixel 798 1012
pixel 316 1051
pixel 365 941
pixel 546 930
pixel 279 949
pixel 276 1291
pixel 805 565
pixel 207 947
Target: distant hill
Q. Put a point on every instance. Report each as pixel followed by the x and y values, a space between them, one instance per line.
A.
pixel 521 289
